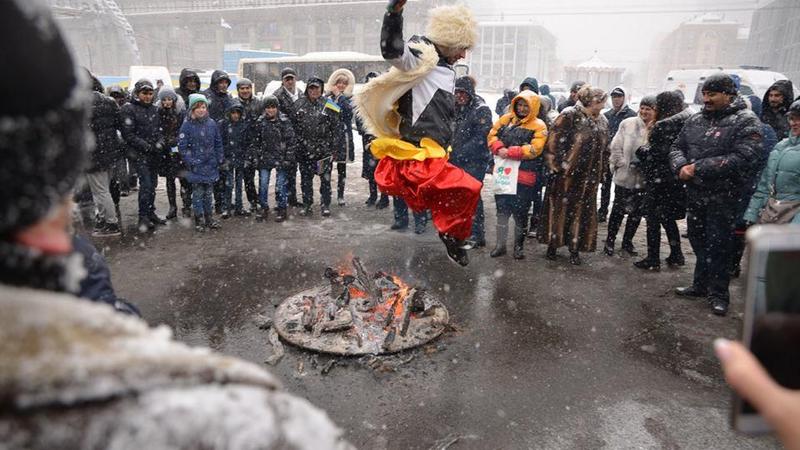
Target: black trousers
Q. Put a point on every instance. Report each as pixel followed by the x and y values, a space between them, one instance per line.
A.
pixel 711 234
pixel 654 225
pixel 626 202
pixel 341 176
pixel 250 186
pixel 308 169
pixel 186 192
pixel 291 183
pixel 605 194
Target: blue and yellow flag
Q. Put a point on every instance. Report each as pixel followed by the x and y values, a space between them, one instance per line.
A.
pixel 330 104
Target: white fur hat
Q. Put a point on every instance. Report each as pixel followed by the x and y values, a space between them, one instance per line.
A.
pixel 452 26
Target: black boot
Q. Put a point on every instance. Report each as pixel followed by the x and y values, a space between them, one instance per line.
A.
pixel 575 258
pixel 383 202
pixel 500 245
pixel 455 249
pixel 648 264
pixel 280 215
pixel 551 253
pixel 675 258
pixel 211 223
pixel 199 224
pixel 173 212
pixel 519 242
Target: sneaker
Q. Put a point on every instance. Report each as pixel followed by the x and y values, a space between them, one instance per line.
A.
pixel 455 250
pixel 226 215
pixel 173 213
pixel 608 250
pixel 341 201
pixel 718 306
pixel 242 213
pixel 263 215
pixel 648 264
pixel 99 227
pixel 280 215
pixel 213 224
pixel 326 211
pixel 124 193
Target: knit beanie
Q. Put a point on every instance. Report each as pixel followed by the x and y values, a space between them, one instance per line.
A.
pixel 44 138
pixel 720 82
pixel 195 99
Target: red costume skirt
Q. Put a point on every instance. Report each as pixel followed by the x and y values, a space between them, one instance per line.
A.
pixel 450 193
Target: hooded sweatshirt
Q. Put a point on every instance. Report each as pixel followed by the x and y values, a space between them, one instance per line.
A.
pixel 218 102
pixel 524 137
pixel 777 118
pixel 183 79
pixel 616 117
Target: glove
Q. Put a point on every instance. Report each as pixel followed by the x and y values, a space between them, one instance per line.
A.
pixel 496 145
pixel 515 152
pixel 395 6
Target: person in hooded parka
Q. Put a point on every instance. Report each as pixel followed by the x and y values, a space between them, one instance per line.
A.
pixel 171 112
pixel 775 106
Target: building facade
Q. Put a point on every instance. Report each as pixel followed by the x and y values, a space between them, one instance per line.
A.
pixel 508 52
pixel 194 33
pixel 596 72
pixel 707 41
pixel 774 40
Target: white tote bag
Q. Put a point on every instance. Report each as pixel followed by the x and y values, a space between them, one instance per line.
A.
pixel 505 175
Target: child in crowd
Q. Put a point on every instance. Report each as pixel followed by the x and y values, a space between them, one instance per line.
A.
pixel 233 128
pixel 273 147
pixel 200 146
pixel 171 110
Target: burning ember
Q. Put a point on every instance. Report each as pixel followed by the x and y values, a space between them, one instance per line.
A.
pixel 360 313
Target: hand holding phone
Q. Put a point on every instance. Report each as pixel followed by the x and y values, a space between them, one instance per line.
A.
pixel 779 406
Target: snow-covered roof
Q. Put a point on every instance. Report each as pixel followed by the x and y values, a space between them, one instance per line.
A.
pixel 595 63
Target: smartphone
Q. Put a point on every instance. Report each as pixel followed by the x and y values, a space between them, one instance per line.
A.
pixel 772 313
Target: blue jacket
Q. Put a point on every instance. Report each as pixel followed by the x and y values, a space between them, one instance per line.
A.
pixel 200 145
pixel 783 169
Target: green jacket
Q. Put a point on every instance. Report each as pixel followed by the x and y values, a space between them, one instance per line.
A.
pixel 783 168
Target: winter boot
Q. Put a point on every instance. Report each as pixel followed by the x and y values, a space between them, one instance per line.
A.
pixel 455 249
pixel 280 215
pixel 263 215
pixel 575 258
pixel 552 253
pixel 211 223
pixel 675 258
pixel 519 242
pixel 326 211
pixel 199 225
pixel 383 202
pixel 648 264
pixel 500 245
pixel 172 214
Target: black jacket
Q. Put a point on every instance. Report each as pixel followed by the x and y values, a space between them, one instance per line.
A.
pixel 664 194
pixel 185 76
pixel 344 149
pixel 316 128
pixel 616 117
pixel 104 124
pixel 473 123
pixel 169 124
pixel 273 142
pixel 286 104
pixel 234 142
pixel 140 128
pixel 777 119
pixel 218 102
pixel 725 146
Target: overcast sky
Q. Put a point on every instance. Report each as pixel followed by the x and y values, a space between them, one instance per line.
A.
pixel 622 31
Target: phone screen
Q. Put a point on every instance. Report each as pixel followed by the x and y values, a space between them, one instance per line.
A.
pixel 775 338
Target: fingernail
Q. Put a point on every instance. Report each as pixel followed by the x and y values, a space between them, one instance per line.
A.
pixel 723 348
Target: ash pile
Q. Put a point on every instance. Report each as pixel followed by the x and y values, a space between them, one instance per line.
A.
pixel 358 313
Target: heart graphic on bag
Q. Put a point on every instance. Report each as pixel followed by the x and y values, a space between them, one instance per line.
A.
pixel 508 170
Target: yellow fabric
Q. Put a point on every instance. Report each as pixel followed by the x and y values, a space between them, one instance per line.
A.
pixel 401 150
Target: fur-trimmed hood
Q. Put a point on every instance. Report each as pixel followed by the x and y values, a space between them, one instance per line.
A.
pixel 452 26
pixel 351 81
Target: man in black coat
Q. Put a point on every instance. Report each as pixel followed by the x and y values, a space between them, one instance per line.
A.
pixel 141 132
pixel 107 150
pixel 188 84
pixel 619 111
pixel 316 128
pixel 715 154
pixel 775 106
pixel 219 100
pixel 287 95
pixel 470 149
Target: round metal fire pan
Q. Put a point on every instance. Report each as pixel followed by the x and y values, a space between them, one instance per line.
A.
pixel 423 328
